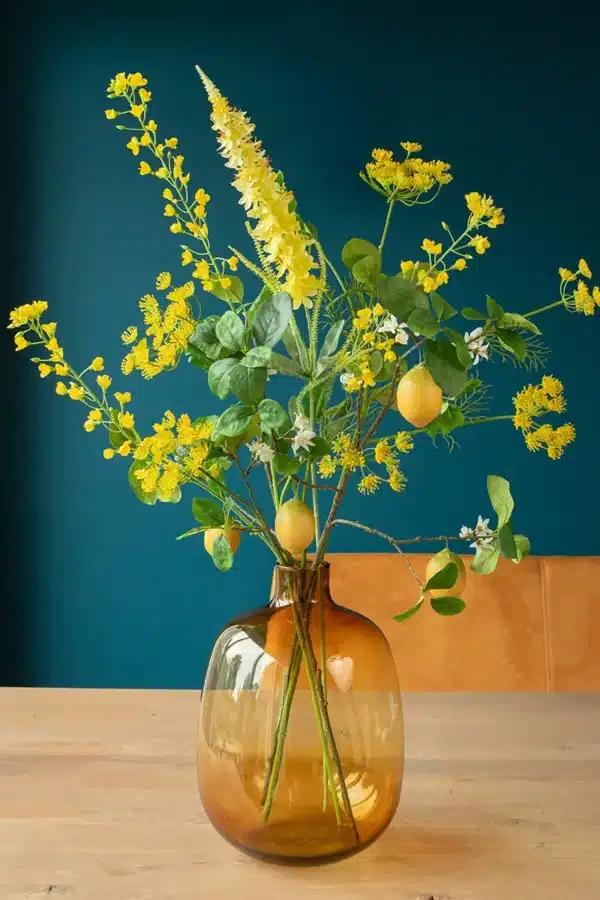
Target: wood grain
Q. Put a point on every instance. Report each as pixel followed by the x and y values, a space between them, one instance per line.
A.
pixel 98 801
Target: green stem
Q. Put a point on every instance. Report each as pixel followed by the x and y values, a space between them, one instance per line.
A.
pixel 334 271
pixel 274 766
pixel 386 226
pixel 323 683
pixel 542 309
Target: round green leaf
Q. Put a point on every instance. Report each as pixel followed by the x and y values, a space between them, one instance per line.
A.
pixel 234 421
pixel 248 385
pixel 271 319
pixel 444 366
pixel 230 331
pixel 445 578
pixel 208 512
pixel 409 613
pixel 272 414
pixel 501 498
pixel 355 250
pixel 422 322
pixel 257 358
pixel 218 376
pixel 286 465
pixel 447 606
pixel 485 560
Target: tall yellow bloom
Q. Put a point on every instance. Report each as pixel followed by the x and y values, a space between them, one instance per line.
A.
pixel 265 199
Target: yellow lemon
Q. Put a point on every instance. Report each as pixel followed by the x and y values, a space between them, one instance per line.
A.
pixel 419 398
pixel 437 563
pixel 295 526
pixel 211 534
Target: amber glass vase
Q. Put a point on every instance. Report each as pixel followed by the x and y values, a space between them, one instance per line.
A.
pixel 301 743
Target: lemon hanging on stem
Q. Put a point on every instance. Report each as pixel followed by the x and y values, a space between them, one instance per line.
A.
pixel 439 562
pixel 418 397
pixel 295 526
pixel 211 534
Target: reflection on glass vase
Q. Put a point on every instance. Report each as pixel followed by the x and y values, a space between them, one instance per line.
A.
pixel 300 746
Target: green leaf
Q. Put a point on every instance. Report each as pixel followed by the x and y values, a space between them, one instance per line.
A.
pixel 409 613
pixel 190 533
pixel 447 606
pixel 205 338
pixel 115 435
pixel 208 512
pixel 332 339
pixel 494 309
pixel 445 367
pixel 320 447
pixel 265 294
pixel 222 554
pixel 234 421
pixel 422 322
pixel 441 307
pixel 506 541
pixel 296 347
pixel 462 351
pixel 513 342
pixel 257 358
pixel 447 421
pixel 355 250
pixel 401 296
pixel 445 578
pixel 248 385
pixel 136 486
pixel 501 498
pixel 272 414
pixel 376 362
pixel 285 365
pixel 470 313
pixel 218 376
pixel 471 385
pixel 514 320
pixel 233 293
pixel 367 269
pixel 230 331
pixel 271 319
pixel 286 465
pixel 485 560
pixel 523 546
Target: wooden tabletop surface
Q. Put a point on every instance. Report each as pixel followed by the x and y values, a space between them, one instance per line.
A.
pixel 98 801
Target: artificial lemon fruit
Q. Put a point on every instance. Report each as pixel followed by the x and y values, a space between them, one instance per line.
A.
pixel 437 563
pixel 418 397
pixel 295 526
pixel 211 534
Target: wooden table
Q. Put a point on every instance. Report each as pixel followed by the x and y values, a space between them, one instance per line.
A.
pixel 98 802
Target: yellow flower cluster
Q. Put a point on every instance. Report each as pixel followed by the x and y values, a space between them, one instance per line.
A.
pixel 173 455
pixel 582 298
pixel 534 401
pixel 385 455
pixel 347 456
pixel 428 277
pixel 167 331
pixel 408 180
pixel 265 199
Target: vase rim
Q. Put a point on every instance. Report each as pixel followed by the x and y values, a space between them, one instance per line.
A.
pixel 322 565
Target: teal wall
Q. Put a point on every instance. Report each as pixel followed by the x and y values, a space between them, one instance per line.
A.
pixel 100 593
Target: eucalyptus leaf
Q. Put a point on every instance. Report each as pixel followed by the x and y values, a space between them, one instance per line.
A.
pixel 501 498
pixel 230 331
pixel 332 339
pixel 514 320
pixel 257 358
pixel 222 554
pixel 409 613
pixel 234 421
pixel 485 560
pixel 422 322
pixel 248 385
pixel 271 319
pixel 441 359
pixel 285 365
pixel 149 498
pixel 208 512
pixel 447 606
pixel 272 414
pixel 355 250
pixel 218 376
pixel 295 346
pixel 445 578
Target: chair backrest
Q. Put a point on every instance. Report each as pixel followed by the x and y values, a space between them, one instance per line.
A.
pixel 532 627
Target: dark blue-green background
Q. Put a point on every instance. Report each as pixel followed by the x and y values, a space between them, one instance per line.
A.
pixel 97 592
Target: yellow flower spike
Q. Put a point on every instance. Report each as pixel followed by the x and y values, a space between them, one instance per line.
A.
pixel 480 243
pixel 61 389
pixel 75 392
pixel 566 274
pixel 97 364
pixel 111 113
pixel 584 300
pixel 170 210
pixel 20 342
pixel 396 480
pixel 186 258
pixel 168 194
pixel 460 264
pixel 44 370
pixel 104 382
pixel 163 281
pixel 383 451
pixel 22 315
pixel 108 453
pixel 431 247
pixel 145 168
pixel 95 415
pixel 584 269
pixel 126 420
pixel 134 146
pixel 176 228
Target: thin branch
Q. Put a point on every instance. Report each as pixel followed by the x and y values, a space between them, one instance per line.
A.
pixel 279 551
pixel 386 537
pixel 318 487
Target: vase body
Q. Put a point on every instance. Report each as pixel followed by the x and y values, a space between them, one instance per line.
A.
pixel 295 765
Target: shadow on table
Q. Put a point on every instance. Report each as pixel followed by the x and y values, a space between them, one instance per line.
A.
pixel 418 846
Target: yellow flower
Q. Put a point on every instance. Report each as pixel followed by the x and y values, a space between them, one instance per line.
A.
pixel 187 257
pixel 431 247
pixel 378 310
pixel 145 169
pixel 389 356
pixel 168 194
pixel 20 342
pixel 441 278
pixel 584 300
pixel 61 369
pixel 126 420
pixel 97 364
pixel 233 263
pixel 125 449
pixel 171 143
pixel 161 172
pixel 108 453
pixel 207 286
pixel 137 110
pixel 369 337
pixel 145 141
pixel 596 295
pixel 369 484
pixel 176 228
pixel 351 459
pixel 480 243
pixel 396 480
pixel 460 264
pixel 123 397
pixel 404 442
pixel 566 274
pixel 111 113
pixel 163 281
pixel 352 384
pixel 61 389
pixel 584 269
pixel 134 146
pixel 104 382
pixel 362 319
pixel 411 146
pixel 75 392
pixel 152 126
pixel 482 207
pixel 118 85
pixel 44 370
pixel 22 315
pixel 137 80
pixel 225 282
pixel 327 466
pixel 129 335
pixel 145 96
pixel 95 415
pixel 428 284
pixel 383 451
pixel 49 328
pixel 266 200
pixel 170 210
pixel 407 265
pixel 89 425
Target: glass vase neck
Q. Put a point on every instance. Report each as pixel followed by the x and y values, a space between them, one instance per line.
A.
pixel 304 585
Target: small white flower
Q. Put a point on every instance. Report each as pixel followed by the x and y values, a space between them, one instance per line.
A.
pixel 345 378
pixel 303 440
pixel 301 423
pixel 476 345
pixel 392 326
pixel 482 534
pixel 262 451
